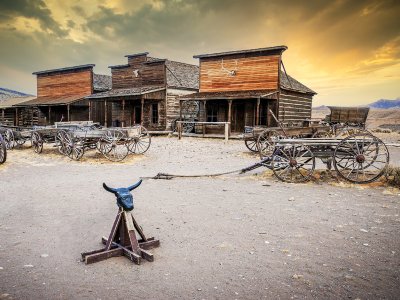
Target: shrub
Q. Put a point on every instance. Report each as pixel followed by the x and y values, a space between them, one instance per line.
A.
pixel 392 175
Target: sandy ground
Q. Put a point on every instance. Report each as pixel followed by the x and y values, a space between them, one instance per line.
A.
pixel 234 237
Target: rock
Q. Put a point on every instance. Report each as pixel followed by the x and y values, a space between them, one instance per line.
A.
pixel 291 199
pixel 296 276
pixel 366 245
pixel 251 252
pixel 199 290
pixel 44 255
pixel 363 230
pixel 28 266
pixel 266 242
pixel 1 268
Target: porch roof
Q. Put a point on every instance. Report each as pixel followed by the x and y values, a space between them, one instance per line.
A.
pixel 137 91
pixel 255 94
pixel 8 103
pixel 48 101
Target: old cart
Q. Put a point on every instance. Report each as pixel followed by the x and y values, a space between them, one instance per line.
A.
pixel 15 136
pixel 341 122
pixel 3 150
pixel 358 158
pixel 114 143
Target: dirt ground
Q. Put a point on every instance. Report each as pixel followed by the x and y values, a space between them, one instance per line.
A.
pixel 233 237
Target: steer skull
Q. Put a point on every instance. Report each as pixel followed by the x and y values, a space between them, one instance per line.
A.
pixel 124 196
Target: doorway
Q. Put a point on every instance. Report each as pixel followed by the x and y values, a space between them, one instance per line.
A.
pixel 238 117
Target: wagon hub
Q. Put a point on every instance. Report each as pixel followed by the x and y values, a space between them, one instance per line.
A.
pixel 360 158
pixel 293 163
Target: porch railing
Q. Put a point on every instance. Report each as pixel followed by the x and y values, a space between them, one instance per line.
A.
pixel 204 124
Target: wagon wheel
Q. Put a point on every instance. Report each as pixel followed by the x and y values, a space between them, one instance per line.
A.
pixel 77 150
pixel 190 108
pixel 62 142
pixel 37 142
pixel 293 163
pixel 361 158
pixel 266 142
pixel 251 144
pixel 141 143
pixel 9 139
pixel 113 145
pixel 173 125
pixel 20 140
pixel 3 151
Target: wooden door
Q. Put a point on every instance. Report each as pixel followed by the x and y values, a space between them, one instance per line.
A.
pixel 238 117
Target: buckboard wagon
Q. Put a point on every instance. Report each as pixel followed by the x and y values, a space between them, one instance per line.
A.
pixel 342 121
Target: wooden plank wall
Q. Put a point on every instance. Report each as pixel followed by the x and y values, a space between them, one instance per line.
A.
pixel 65 84
pixel 252 73
pixel 147 114
pixel 149 74
pixel 294 106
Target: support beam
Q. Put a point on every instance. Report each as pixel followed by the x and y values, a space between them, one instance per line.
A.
pixel 258 112
pixel 68 112
pixel 16 117
pixel 105 113
pixel 123 113
pixel 49 115
pixel 32 112
pixel 90 110
pixel 180 110
pixel 230 116
pixel 142 113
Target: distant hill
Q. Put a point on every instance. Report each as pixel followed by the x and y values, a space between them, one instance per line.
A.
pixel 385 104
pixel 6 93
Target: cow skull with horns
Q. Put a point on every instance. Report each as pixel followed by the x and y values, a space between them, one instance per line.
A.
pixel 124 196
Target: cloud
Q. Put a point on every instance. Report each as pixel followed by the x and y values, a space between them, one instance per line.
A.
pixel 31 9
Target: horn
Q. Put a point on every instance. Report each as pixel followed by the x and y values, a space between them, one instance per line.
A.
pixel 132 187
pixel 108 189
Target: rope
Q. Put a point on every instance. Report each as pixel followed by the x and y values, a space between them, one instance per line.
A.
pixel 167 176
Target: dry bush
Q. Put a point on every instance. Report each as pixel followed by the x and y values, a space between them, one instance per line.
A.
pixel 392 175
pixel 382 130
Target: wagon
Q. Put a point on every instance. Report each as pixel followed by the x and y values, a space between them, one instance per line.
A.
pixel 14 136
pixel 358 158
pixel 341 122
pixel 114 143
pixel 3 150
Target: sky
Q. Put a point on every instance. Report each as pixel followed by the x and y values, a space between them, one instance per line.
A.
pixel 346 51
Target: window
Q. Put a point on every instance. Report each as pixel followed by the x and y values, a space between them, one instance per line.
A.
pixel 154 113
pixel 212 112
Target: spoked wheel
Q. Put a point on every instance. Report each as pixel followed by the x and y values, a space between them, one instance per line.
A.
pixel 266 143
pixel 37 142
pixel 293 163
pixel 361 158
pixel 113 145
pixel 9 139
pixel 77 150
pixel 187 127
pixel 62 142
pixel 141 143
pixel 3 151
pixel 251 144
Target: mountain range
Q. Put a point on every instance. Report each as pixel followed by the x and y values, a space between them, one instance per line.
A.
pixel 6 93
pixel 380 104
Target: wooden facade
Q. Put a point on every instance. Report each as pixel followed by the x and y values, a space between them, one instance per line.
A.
pixel 144 91
pixel 242 87
pixel 61 96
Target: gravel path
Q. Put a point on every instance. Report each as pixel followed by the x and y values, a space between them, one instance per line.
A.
pixel 233 237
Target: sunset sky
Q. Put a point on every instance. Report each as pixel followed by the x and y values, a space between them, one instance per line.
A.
pixel 347 51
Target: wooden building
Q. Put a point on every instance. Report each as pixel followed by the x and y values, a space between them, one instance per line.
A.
pixel 144 91
pixel 242 86
pixel 61 96
pixel 8 111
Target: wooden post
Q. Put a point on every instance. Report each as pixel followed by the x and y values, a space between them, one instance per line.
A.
pixel 258 112
pixel 16 117
pixel 230 116
pixel 180 110
pixel 123 113
pixel 179 130
pixel 105 113
pixel 32 116
pixel 49 115
pixel 68 112
pixel 142 113
pixel 90 110
pixel 226 131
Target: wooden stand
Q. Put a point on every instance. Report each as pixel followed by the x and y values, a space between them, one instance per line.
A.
pixel 123 241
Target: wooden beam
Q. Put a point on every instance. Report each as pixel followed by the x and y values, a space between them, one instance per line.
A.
pixel 105 113
pixel 180 110
pixel 230 116
pixel 142 113
pixel 32 112
pixel 16 117
pixel 258 112
pixel 49 115
pixel 68 112
pixel 123 113
pixel 90 110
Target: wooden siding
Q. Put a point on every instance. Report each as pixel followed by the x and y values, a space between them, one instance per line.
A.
pixel 149 74
pixel 294 107
pixel 65 84
pixel 252 73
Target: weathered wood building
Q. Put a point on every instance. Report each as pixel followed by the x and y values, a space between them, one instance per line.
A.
pixel 8 115
pixel 61 96
pixel 144 91
pixel 242 86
